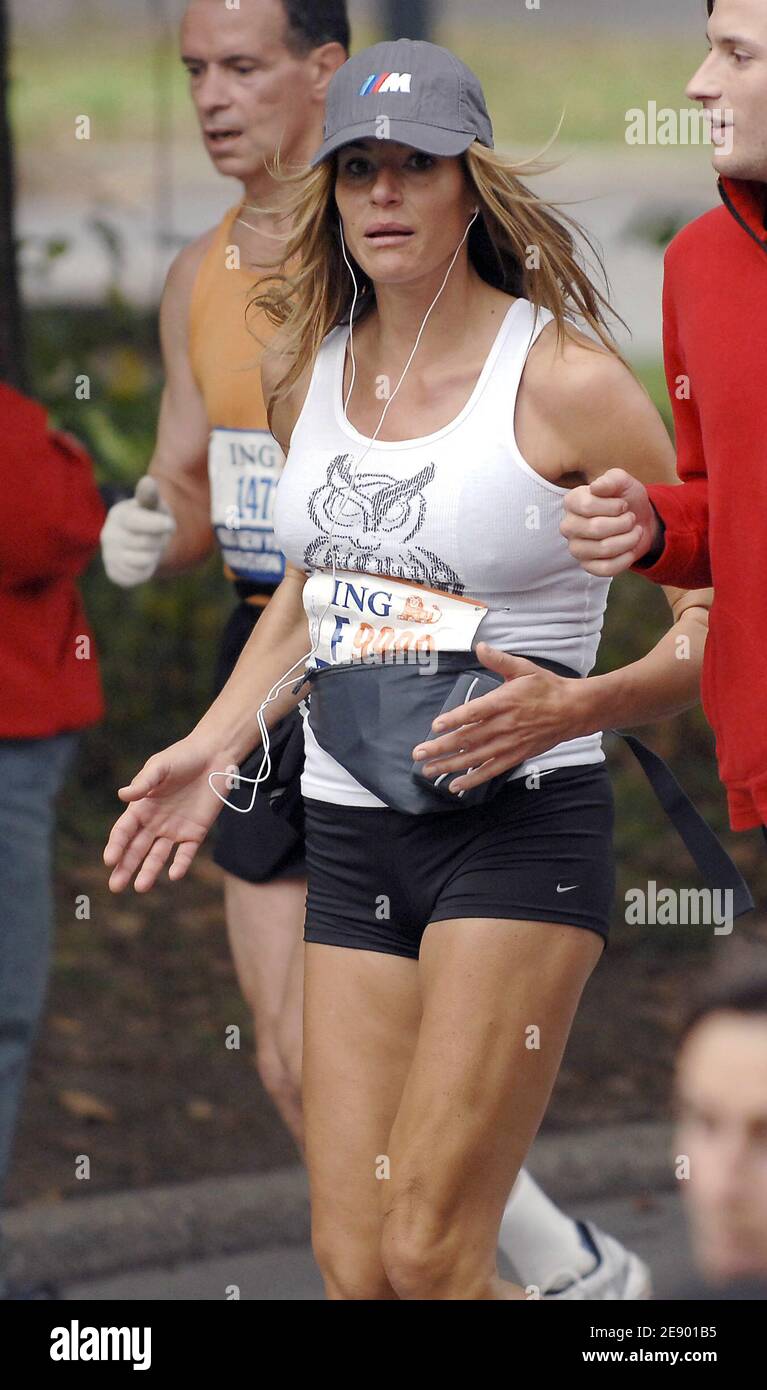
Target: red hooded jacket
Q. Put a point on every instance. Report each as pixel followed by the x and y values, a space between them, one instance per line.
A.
pixel 715 349
pixel 51 514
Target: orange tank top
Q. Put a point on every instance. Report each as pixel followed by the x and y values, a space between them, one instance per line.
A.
pixel 244 460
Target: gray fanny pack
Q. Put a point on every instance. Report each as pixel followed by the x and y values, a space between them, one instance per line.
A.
pixel 370 715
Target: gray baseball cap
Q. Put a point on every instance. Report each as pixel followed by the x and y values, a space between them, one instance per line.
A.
pixel 431 100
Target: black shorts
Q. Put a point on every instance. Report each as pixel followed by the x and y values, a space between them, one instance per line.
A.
pixel 378 877
pixel 258 847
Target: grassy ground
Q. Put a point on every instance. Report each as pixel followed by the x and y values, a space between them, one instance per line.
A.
pixel 529 82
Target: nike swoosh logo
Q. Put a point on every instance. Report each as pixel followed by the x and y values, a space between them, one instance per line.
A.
pixel 568 890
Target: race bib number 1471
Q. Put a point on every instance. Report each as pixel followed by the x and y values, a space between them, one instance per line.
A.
pixel 244 468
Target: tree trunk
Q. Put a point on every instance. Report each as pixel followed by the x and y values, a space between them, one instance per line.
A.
pixel 11 347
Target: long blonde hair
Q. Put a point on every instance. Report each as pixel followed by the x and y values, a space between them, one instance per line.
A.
pixel 519 245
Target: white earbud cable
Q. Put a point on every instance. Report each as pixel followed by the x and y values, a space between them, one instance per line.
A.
pixel 289 676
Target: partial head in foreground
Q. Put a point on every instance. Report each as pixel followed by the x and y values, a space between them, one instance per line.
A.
pixel 721 1102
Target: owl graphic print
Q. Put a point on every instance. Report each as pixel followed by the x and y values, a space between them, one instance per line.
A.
pixel 371 522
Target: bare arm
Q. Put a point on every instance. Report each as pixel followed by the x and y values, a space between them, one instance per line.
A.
pixel 180 459
pixel 275 647
pixel 599 412
pixel 171 803
pixel 281 637
pixel 579 408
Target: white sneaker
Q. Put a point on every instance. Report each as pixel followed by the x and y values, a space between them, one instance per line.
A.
pixel 620 1274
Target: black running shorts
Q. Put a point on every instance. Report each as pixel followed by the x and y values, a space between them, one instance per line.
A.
pixel 259 846
pixel 378 877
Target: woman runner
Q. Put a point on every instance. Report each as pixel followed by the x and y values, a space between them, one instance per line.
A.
pixel 447 946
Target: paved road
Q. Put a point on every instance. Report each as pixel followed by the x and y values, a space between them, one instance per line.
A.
pixel 288 1273
pixel 609 192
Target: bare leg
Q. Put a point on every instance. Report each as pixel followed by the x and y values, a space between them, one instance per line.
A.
pixel 265 926
pixel 361 1013
pixel 498 1002
pixel 290 1029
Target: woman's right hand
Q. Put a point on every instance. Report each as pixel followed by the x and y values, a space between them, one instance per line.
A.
pixel 171 803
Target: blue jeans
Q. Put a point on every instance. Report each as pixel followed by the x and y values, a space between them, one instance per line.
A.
pixel 31 774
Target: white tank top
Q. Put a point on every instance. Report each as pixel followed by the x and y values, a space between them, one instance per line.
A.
pixel 458 511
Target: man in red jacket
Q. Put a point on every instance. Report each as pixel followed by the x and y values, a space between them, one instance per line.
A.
pixel 49 689
pixel 713 528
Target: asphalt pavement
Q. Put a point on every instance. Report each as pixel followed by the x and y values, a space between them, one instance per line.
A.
pixel 653 1227
pixel 247 1236
pixel 619 196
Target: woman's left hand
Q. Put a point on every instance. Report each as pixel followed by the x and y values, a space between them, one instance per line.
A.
pixel 531 712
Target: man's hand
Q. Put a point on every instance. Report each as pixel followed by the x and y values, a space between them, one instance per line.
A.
pixel 610 524
pixel 135 535
pixel 531 712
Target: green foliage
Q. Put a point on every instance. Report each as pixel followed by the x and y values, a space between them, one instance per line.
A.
pixel 157 648
pixel 530 77
pixel 591 78
pixel 116 349
pixel 157 644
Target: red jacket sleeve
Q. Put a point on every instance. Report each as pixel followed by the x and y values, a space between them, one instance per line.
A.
pixel 51 513
pixel 685 561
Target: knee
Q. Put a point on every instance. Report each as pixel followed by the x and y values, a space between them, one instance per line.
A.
pixel 291 1054
pixel 350 1270
pixel 418 1250
pixel 274 1075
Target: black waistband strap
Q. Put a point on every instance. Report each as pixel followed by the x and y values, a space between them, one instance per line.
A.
pixel 701 842
pixel 710 856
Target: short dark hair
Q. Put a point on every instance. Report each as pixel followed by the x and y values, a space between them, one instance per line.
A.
pixel 311 23
pixel 740 990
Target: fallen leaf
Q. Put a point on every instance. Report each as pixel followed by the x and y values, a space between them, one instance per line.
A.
pixel 86 1106
pixel 200 918
pixel 127 923
pixel 200 1110
pixel 67 1027
pixel 46 1198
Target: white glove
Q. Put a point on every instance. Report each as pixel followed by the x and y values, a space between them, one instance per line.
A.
pixel 136 534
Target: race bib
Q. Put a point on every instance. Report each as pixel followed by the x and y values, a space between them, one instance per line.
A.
pixel 244 467
pixel 355 616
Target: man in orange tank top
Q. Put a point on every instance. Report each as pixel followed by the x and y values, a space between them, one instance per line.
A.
pixel 257 80
pixel 258 76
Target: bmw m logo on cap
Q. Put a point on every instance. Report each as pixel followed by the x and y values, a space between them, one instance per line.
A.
pixel 386 82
